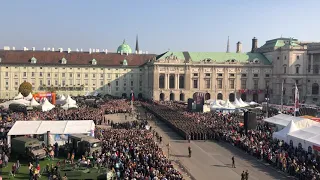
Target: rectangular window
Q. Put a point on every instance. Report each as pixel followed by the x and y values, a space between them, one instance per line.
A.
pixel 195 83
pixel 124 84
pixel 219 75
pixel 284 70
pixel 49 82
pixel 7 74
pixel 86 75
pixel 109 76
pixel 207 83
pixel 56 75
pixel 63 74
pixel 231 75
pixel 101 75
pixel 24 74
pixel 117 83
pixel 32 74
pixel 267 84
pixel 56 82
pixel 70 82
pixel 78 82
pixel 219 83
pixel 86 82
pixel 255 75
pixel 70 74
pixel 16 83
pixel 117 75
pixel 40 74
pixel 40 82
pixel 7 82
pixel 267 75
pixel 131 83
pixel 117 89
pixel 124 89
pixel 243 84
pixel 93 75
pixel 207 75
pixel 140 83
pixel 63 82
pixel 255 84
pixel 195 74
pixel 48 75
pixel 101 83
pixel 297 69
pixel 78 75
pixel 231 83
pixel 243 75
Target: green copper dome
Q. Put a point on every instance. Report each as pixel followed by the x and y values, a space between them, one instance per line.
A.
pixel 124 48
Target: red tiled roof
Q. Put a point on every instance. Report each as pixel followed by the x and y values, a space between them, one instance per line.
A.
pixel 73 58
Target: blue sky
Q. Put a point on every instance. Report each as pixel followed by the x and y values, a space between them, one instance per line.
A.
pixel 178 25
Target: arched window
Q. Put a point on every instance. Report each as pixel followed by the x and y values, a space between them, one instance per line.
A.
pixel 220 96
pixel 161 81
pixel 315 89
pixel 171 97
pixel 161 97
pixel 181 97
pixel 297 69
pixel 284 69
pixel 207 96
pixel 231 97
pixel 171 81
pixel 181 82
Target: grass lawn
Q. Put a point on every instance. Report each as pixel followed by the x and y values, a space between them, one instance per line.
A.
pixel 24 171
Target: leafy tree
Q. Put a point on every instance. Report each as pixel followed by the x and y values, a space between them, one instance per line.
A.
pixel 25 88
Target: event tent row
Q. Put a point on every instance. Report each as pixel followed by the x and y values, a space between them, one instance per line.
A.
pixel 297 131
pixel 55 127
pixel 218 104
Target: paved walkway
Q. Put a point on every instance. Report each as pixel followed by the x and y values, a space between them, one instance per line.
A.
pixel 211 160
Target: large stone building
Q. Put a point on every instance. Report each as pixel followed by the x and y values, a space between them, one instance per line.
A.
pixel 171 75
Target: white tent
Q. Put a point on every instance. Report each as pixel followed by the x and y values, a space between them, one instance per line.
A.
pixel 95 93
pixel 69 100
pixel 283 134
pixel 215 105
pixel 18 101
pixel 46 105
pixel 29 97
pixel 19 96
pixel 68 106
pixel 237 103
pixel 302 136
pixel 62 97
pixel 229 105
pixel 282 120
pixel 252 103
pixel 243 103
pixel 34 103
pixel 55 127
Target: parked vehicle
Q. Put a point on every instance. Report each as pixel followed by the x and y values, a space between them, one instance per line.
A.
pixel 28 147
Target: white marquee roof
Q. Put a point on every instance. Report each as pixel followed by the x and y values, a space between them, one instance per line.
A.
pixel 283 119
pixel 55 127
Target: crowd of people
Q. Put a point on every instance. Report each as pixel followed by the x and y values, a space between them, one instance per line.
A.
pixel 227 127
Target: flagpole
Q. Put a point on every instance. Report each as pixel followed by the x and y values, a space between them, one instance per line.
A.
pixel 282 96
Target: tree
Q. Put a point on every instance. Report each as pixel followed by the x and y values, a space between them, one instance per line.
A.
pixel 25 88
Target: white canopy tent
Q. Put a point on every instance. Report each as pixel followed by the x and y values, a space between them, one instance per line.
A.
pixel 69 100
pixel 29 97
pixel 215 105
pixel 62 97
pixel 55 127
pixel 302 136
pixel 283 134
pixel 19 96
pixel 237 103
pixel 229 105
pixel 252 103
pixel 17 101
pixel 46 105
pixel 34 103
pixel 282 120
pixel 61 100
pixel 68 106
pixel 243 103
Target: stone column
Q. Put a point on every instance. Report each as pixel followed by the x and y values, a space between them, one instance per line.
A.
pixel 311 71
pixel 177 80
pixel 187 79
pixel 166 81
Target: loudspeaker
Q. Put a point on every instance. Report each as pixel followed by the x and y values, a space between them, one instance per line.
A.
pixel 249 121
pixel 190 101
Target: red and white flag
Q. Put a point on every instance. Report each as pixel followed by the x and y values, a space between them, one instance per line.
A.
pixel 296 100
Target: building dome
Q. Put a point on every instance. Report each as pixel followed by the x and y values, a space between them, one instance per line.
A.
pixel 124 48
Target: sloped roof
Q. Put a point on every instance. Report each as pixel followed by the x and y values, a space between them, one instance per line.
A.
pixel 278 43
pixel 73 58
pixel 219 57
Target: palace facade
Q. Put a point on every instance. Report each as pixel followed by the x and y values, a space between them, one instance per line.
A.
pixel 171 75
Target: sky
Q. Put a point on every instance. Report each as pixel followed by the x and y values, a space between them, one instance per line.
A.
pixel 178 25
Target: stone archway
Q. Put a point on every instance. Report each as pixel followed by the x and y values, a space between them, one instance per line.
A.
pixel 255 97
pixel 219 96
pixel 171 96
pixel 124 95
pixel 140 96
pixel 162 96
pixel 232 97
pixel 207 96
pixel 181 97
pixel 243 97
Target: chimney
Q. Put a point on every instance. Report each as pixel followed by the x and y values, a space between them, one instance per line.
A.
pixel 90 50
pixel 97 50
pixel 106 51
pixel 61 50
pixel 121 52
pixel 33 49
pixel 48 49
pixel 69 50
pixel 13 48
pixel 52 49
pixel 239 47
pixel 136 52
pixel 254 44
pixel 24 49
pixel 93 50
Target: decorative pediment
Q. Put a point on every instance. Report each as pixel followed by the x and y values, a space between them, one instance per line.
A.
pixel 33 60
pixel 255 70
pixel 207 70
pixel 94 62
pixel 231 70
pixel 243 70
pixel 172 69
pixel 162 69
pixel 195 69
pixel 219 70
pixel 63 61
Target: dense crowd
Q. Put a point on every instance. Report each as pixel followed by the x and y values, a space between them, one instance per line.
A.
pixel 227 127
